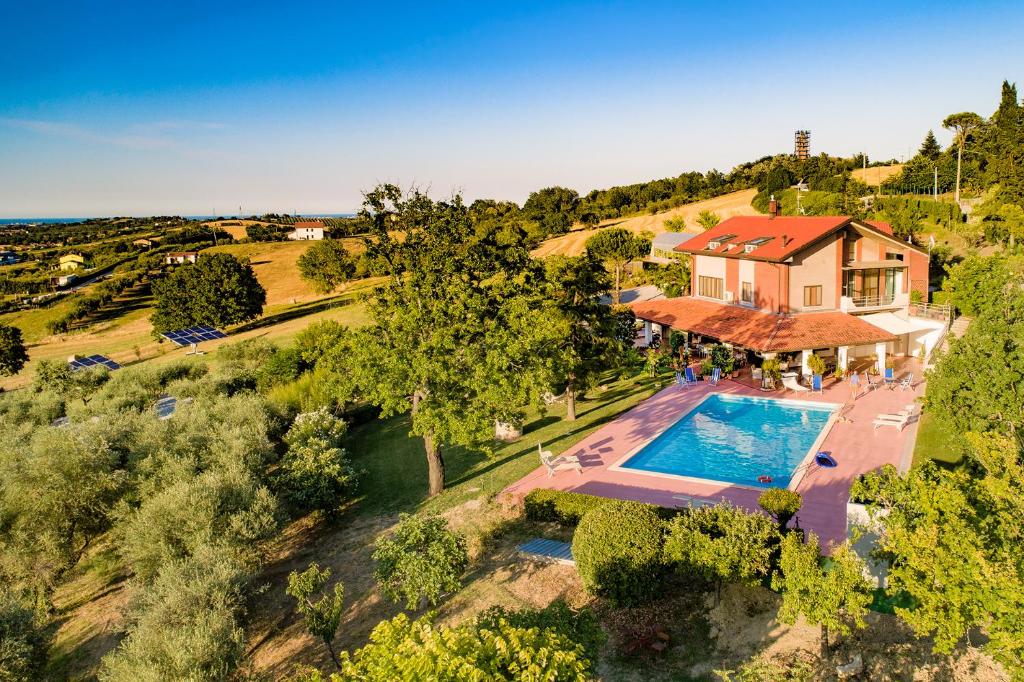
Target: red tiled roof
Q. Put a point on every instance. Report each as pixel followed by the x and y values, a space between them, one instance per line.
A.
pixel 788 235
pixel 308 223
pixel 760 331
pixel 881 226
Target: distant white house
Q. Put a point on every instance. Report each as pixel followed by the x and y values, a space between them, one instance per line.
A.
pixel 311 230
pixel 663 247
pixel 181 257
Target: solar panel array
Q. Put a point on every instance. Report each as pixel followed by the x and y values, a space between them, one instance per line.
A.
pixel 93 361
pixel 187 337
pixel 165 407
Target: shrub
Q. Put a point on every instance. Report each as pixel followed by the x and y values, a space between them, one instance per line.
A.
pixel 315 473
pixel 323 615
pixel 421 561
pixel 772 368
pixel 617 548
pixel 781 504
pixel 401 649
pixel 560 506
pixel 580 626
pixel 722 543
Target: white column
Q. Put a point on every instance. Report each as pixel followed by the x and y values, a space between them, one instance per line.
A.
pixel 842 357
pixel 805 355
pixel 880 352
pixel 648 333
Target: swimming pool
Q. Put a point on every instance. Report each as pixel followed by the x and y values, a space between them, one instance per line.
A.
pixel 736 439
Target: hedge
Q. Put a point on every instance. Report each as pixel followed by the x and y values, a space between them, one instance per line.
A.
pixel 568 508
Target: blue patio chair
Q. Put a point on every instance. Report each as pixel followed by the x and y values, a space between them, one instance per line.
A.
pixel 716 375
pixel 691 379
pixel 681 381
pixel 816 383
pixel 890 376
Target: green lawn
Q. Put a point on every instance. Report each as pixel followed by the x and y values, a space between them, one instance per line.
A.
pixel 936 440
pixel 396 468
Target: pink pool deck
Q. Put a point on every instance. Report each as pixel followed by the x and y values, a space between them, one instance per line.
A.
pixel 855 444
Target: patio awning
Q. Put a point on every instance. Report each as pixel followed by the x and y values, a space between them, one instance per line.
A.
pixel 761 331
pixel 894 324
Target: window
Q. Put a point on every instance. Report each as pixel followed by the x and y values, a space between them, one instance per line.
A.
pixel 812 296
pixel 710 287
pixel 851 249
pixel 893 255
pixel 746 292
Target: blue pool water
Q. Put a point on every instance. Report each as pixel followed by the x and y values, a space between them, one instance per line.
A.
pixel 736 439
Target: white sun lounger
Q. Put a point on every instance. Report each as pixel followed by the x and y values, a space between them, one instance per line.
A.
pixel 792 384
pixel 560 463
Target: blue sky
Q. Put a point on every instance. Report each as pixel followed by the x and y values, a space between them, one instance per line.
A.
pixel 185 107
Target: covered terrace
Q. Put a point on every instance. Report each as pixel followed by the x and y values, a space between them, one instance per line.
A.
pixel 837 336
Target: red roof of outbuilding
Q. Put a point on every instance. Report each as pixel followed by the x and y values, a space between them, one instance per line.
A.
pixel 787 235
pixel 308 223
pixel 761 331
pixel 881 226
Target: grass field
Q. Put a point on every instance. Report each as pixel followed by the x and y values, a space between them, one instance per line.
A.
pixel 877 175
pixel 936 440
pixel 726 206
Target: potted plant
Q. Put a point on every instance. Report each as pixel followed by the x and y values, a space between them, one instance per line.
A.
pixel 771 368
pixel 816 364
pixel 838 373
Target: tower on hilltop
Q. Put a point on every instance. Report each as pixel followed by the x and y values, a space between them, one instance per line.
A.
pixel 803 145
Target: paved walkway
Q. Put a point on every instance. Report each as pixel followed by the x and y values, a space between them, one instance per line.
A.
pixel 855 444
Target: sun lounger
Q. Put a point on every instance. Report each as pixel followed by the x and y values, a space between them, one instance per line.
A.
pixel 899 420
pixel 560 463
pixel 716 376
pixel 792 385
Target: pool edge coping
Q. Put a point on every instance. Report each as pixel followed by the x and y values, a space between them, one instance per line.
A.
pixel 798 472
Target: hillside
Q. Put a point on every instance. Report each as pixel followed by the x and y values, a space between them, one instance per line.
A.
pixel 877 175
pixel 726 206
pixel 123 331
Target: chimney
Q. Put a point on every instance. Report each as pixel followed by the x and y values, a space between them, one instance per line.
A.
pixel 785 240
pixel 773 207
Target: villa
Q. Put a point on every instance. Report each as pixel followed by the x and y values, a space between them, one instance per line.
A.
pixel 785 288
pixel 772 286
pixel 310 230
pixel 181 257
pixel 72 261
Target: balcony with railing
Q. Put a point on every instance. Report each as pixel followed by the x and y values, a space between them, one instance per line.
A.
pixel 860 302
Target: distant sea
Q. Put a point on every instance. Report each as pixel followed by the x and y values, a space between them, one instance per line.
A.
pixel 57 221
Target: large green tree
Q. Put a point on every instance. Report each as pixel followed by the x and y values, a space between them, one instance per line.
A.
pixel 616 247
pixel 963 125
pixel 421 561
pixel 553 208
pixel 326 265
pixel 457 339
pixel 583 329
pixel 954 538
pixel 977 385
pixel 217 290
pixel 13 355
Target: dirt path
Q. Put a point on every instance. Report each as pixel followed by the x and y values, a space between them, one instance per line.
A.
pixel 726 206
